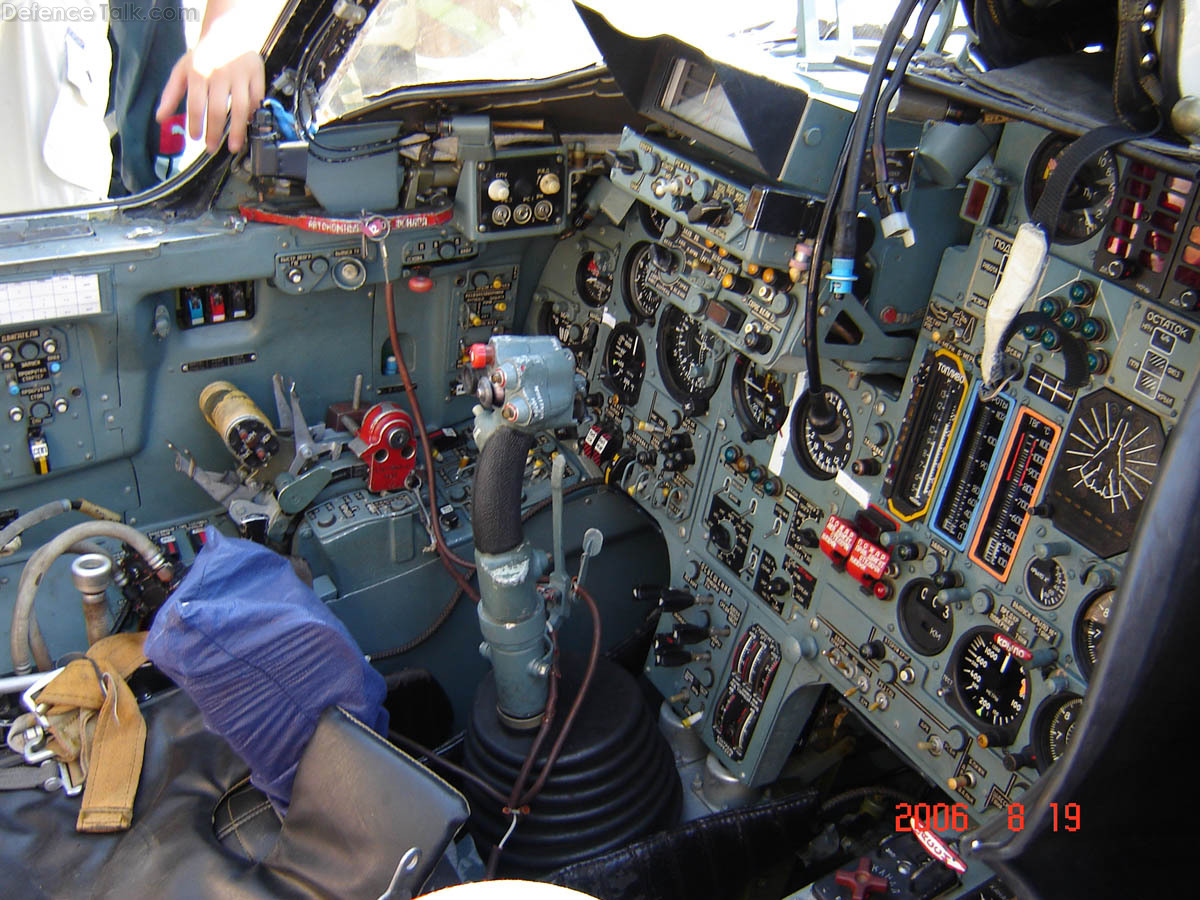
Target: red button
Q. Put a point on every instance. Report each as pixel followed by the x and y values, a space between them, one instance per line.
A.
pixel 420 284
pixel 480 355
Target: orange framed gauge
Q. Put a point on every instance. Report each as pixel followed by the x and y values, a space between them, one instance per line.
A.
pixel 1023 470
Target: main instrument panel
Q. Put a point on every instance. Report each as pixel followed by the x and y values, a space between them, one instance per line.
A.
pixel 946 557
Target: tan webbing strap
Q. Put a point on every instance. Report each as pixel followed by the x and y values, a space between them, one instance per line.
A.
pixel 114 758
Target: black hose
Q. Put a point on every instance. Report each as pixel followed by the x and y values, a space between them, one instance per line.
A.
pixel 496 501
pixel 879 123
pixel 844 243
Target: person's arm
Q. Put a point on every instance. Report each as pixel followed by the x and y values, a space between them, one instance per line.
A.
pixel 222 73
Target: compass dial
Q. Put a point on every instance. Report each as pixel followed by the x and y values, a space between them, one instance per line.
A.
pixel 823 455
pixel 1108 464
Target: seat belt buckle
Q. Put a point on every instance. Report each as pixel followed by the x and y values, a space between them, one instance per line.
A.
pixel 35 750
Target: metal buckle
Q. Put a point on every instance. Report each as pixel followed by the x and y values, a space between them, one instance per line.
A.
pixel 38 709
pixel 35 750
pixel 68 786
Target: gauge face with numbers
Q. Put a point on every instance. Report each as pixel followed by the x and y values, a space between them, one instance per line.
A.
pixel 642 282
pixel 593 280
pixel 992 685
pixel 1054 726
pixel 690 358
pixel 927 625
pixel 1090 198
pixel 625 363
pixel 1089 628
pixel 823 455
pixel 758 399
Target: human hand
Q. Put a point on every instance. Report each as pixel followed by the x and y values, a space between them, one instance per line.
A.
pixel 216 83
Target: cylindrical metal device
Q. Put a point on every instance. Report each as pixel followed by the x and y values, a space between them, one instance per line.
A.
pixel 92 574
pixel 244 428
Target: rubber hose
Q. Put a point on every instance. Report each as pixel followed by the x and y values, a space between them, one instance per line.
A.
pixel 37 643
pixel 39 563
pixel 496 503
pixel 47 511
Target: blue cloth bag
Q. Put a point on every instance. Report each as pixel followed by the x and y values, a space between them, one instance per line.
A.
pixel 262 657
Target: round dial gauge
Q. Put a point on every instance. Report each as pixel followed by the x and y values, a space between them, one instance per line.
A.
pixel 690 360
pixel 1089 628
pixel 991 684
pixel 578 337
pixel 823 455
pixel 625 363
pixel 758 399
pixel 642 282
pixel 653 221
pixel 927 625
pixel 1046 582
pixel 1053 726
pixel 1090 198
pixel 593 278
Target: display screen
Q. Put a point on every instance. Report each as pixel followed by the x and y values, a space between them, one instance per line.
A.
pixel 694 94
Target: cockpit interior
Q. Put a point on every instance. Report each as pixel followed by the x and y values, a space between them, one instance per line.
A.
pixel 755 464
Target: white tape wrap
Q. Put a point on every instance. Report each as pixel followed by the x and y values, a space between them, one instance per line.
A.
pixel 1021 275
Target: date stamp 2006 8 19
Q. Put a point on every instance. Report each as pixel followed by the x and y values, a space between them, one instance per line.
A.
pixel 944 817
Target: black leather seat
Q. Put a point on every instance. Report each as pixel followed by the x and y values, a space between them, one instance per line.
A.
pixel 358 807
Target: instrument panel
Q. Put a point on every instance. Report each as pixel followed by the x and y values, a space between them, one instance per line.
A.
pixel 946 558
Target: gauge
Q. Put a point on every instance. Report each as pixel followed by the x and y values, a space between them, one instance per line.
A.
pixel 926 624
pixel 991 684
pixel 625 363
pixel 974 458
pixel 1109 462
pixel 1089 628
pixel 593 277
pixel 643 283
pixel 823 455
pixel 758 400
pixel 1023 467
pixel 1046 582
pixel 653 221
pixel 1089 200
pixel 1053 726
pixel 690 358
pixel 939 392
pixel 578 337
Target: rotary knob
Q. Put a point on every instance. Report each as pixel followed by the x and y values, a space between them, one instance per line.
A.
pixel 498 190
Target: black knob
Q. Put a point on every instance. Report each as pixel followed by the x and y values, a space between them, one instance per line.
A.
pixel 808 537
pixel 1022 759
pixel 948 579
pixel 679 441
pixel 1042 510
pixel 675 600
pixel 710 212
pixel 723 536
pixel 672 657
pixel 907 552
pixel 677 462
pixel 756 342
pixel 687 633
pixel 872 650
pixel 868 465
pixel 664 641
pixel 647 457
pixel 625 160
pixel 779 586
pixel 647 593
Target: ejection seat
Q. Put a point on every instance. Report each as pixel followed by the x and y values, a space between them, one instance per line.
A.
pixel 365 821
